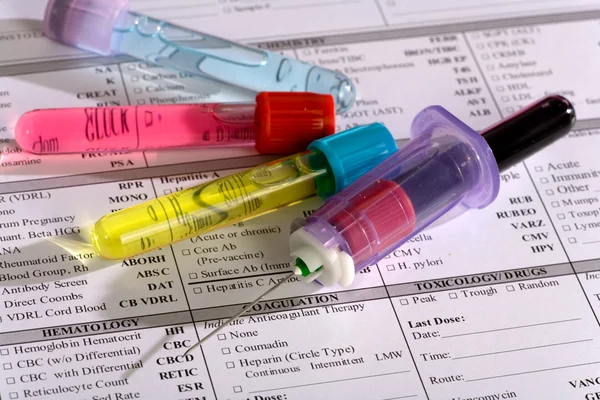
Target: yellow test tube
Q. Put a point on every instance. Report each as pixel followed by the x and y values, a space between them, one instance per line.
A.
pixel 328 166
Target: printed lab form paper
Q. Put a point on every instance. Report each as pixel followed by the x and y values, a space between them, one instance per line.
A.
pixel 501 303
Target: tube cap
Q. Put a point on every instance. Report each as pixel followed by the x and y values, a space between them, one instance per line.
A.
pixel 85 24
pixel 356 151
pixel 287 122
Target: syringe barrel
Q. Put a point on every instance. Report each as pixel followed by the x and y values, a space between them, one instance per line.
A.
pixel 109 27
pixel 446 165
pixel 276 123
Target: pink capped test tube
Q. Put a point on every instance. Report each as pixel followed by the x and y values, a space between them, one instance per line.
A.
pixel 277 123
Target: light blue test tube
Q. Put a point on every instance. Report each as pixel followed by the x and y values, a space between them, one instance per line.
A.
pixel 109 27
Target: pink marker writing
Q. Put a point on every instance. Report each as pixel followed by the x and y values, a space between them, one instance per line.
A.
pixel 277 123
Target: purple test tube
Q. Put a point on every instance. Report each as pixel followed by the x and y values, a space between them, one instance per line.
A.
pixel 444 170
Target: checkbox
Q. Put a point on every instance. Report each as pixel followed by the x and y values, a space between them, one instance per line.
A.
pixel 221 336
pixel 390 267
pixel 566 228
pixel 185 252
pixel 131 67
pixel 539 169
pixel 544 180
pixel 237 389
pixel 480 46
pixel 141 102
pixel 510 288
pixel 168 191
pixel 500 88
pixel 137 90
pixel 555 204
pixel 560 216
pixel 510 109
pixel 229 365
pixel 404 302
pixel 3 352
pixel 505 99
pixel 135 78
pixel 197 290
pixel 193 275
pixel 485 56
pixel 549 192
pixel 572 240
pixel 7 366
pixel 225 350
pixel 490 67
pixel 452 295
pixel 10 381
pixel 495 78
pixel 13 395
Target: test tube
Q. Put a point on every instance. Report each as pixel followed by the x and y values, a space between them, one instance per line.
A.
pixel 327 166
pixel 109 27
pixel 277 123
pixel 446 167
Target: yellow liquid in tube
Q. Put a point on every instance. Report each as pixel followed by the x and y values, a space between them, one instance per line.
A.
pixel 219 203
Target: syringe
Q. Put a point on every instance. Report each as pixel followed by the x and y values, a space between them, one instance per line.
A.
pixel 326 167
pixel 445 169
pixel 108 27
pixel 277 123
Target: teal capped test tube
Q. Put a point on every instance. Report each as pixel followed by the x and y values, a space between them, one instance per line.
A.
pixel 109 27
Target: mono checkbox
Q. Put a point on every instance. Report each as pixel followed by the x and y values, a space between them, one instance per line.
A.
pixel 566 228
pixel 495 78
pixel 135 78
pixel 141 102
pixel 485 56
pixel 538 169
pixel 572 240
pixel 3 352
pixel 555 204
pixel 10 381
pixel 221 336
pixel 7 366
pixel 452 295
pixel 510 288
pixel 390 267
pixel 193 275
pixel 168 191
pixel 185 252
pixel 229 365
pixel 13 395
pixel 500 88
pixel 505 99
pixel 404 302
pixel 197 290
pixel 544 180
pixel 480 46
pixel 237 389
pixel 560 216
pixel 131 67
pixel 549 192
pixel 510 109
pixel 490 67
pixel 225 350
pixel 137 90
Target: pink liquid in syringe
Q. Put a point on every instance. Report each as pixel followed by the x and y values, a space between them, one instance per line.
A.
pixel 102 129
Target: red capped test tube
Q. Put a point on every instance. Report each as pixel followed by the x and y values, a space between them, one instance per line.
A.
pixel 276 123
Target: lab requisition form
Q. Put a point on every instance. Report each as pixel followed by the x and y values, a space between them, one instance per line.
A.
pixel 503 303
